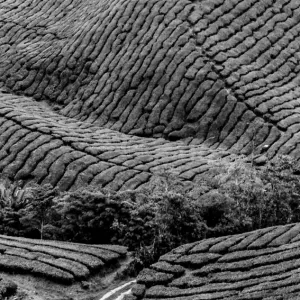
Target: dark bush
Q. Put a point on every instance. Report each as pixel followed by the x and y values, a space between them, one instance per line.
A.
pixel 7 289
pixel 86 216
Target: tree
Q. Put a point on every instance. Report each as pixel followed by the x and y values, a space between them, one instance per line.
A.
pixel 13 199
pixel 38 214
pixel 86 216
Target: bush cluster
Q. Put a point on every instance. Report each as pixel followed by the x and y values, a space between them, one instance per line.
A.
pixel 234 198
pixel 242 198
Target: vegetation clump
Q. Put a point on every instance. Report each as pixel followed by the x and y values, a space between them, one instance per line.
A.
pixel 234 198
pixel 242 198
pixel 7 289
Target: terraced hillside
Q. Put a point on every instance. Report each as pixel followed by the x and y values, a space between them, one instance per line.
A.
pixel 60 262
pixel 262 264
pixel 80 80
pixel 39 144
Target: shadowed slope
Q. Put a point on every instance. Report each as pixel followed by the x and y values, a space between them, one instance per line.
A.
pixel 219 73
pixel 262 264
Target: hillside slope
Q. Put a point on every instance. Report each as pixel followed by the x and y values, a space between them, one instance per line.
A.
pixel 219 77
pixel 262 264
pixel 60 270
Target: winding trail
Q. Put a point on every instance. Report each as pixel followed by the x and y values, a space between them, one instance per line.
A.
pixel 119 292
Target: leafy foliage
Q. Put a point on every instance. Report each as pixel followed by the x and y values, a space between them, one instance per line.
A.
pixel 157 223
pixel 86 216
pixel 39 212
pixel 166 213
pixel 13 200
pixel 242 198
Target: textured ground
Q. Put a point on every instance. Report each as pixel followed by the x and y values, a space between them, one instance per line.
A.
pixel 108 92
pixel 216 76
pixel 53 270
pixel 39 144
pixel 262 264
pixel 57 261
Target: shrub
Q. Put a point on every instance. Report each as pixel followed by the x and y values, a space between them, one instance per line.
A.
pixel 26 211
pixel 7 289
pixel 161 218
pixel 55 274
pixel 13 198
pixel 243 198
pixel 86 216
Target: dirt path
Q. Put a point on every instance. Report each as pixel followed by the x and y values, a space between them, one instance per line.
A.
pixel 119 292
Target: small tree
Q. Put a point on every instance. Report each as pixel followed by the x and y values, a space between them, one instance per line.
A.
pixel 13 199
pixel 38 214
